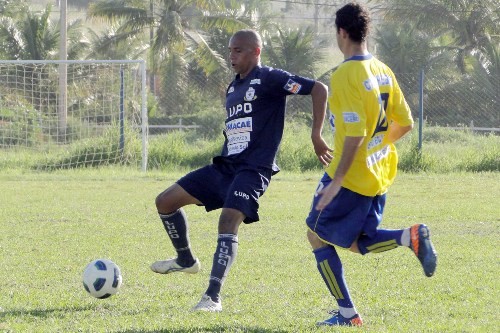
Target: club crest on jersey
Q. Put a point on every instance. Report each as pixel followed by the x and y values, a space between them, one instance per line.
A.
pixel 250 95
pixel 230 90
pixel 292 86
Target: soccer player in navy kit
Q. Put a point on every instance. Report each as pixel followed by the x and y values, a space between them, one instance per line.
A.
pixel 239 176
pixel 370 114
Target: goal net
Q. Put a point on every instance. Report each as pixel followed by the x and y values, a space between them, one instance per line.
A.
pixel 71 114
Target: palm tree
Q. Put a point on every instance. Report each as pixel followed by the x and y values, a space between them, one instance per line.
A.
pixel 471 25
pixel 104 45
pixel 469 32
pixel 183 36
pixel 402 47
pixel 11 8
pixel 293 50
pixel 174 22
pixel 34 36
pixel 172 30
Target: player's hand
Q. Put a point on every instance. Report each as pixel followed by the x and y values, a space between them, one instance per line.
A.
pixel 327 194
pixel 322 150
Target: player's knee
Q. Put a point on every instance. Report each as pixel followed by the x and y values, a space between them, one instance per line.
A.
pixel 314 240
pixel 158 200
pixel 163 203
pixel 354 247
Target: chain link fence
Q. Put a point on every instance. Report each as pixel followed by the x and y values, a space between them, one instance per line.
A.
pixel 466 103
pixel 471 102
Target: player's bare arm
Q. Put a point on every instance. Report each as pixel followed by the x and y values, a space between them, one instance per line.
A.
pixel 396 132
pixel 319 95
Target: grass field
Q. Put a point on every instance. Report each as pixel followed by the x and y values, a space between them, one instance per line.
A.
pixel 53 224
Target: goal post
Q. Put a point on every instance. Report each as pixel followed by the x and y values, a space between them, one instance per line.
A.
pixel 104 121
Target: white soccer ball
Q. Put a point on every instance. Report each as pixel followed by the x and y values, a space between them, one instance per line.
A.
pixel 102 278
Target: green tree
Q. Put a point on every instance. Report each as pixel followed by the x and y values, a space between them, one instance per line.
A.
pixel 293 50
pixel 11 8
pixel 171 34
pixel 104 45
pixel 32 36
pixel 468 33
pixel 471 25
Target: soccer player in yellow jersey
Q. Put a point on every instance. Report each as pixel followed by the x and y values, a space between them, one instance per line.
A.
pixel 370 114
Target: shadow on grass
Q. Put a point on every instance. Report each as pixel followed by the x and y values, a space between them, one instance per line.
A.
pixel 45 313
pixel 63 312
pixel 213 329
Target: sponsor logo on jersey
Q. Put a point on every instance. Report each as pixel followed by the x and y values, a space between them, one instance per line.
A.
pixel 238 134
pixel 375 141
pixel 250 95
pixel 350 117
pixel 377 156
pixel 238 138
pixel 237 148
pixel 239 125
pixel 255 81
pixel 370 84
pixel 292 86
pixel 235 109
pixel 230 90
pixel 376 81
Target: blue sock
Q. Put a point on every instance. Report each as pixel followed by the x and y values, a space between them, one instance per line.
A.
pixel 227 248
pixel 384 240
pixel 176 226
pixel 332 272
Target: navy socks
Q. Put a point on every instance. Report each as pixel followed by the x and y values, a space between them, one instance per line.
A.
pixel 227 249
pixel 176 226
pixel 384 240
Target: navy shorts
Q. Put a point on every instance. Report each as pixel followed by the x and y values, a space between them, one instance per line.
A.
pixel 346 217
pixel 234 186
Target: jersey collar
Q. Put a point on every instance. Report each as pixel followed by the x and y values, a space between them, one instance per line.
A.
pixel 360 57
pixel 251 74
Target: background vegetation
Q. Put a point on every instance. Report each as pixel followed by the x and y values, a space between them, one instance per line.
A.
pixel 444 150
pixel 184 43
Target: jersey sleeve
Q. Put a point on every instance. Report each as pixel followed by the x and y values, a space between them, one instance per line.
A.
pixel 285 83
pixel 399 111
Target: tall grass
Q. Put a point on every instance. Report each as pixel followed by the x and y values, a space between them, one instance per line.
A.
pixel 180 150
pixel 443 151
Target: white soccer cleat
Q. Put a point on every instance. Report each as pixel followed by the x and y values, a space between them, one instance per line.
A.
pixel 171 266
pixel 206 304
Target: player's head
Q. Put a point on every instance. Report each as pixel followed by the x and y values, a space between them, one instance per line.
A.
pixel 244 51
pixel 353 19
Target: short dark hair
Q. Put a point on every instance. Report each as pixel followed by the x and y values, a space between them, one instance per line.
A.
pixel 355 20
pixel 252 36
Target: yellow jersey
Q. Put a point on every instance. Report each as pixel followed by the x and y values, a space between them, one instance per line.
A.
pixel 364 99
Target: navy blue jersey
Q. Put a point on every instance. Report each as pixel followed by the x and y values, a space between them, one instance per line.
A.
pixel 255 117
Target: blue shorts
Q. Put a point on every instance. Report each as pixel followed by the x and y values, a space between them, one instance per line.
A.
pixel 346 217
pixel 234 186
